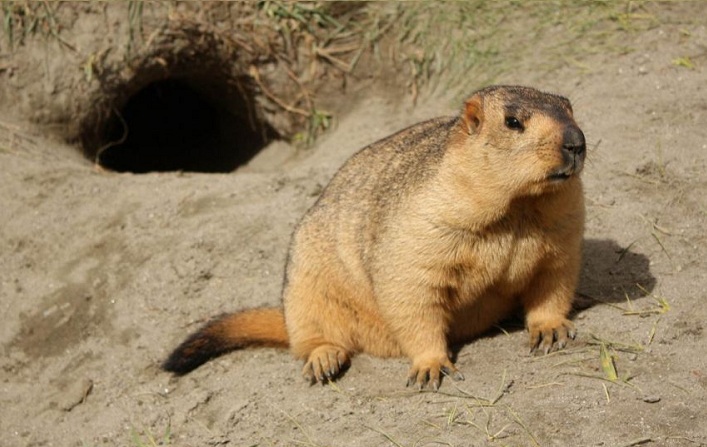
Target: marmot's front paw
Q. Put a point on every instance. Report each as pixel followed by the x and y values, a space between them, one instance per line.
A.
pixel 544 335
pixel 325 363
pixel 428 370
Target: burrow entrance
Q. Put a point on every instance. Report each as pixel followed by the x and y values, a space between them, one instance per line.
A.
pixel 171 125
pixel 190 111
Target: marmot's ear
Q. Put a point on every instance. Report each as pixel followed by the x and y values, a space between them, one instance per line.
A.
pixel 473 114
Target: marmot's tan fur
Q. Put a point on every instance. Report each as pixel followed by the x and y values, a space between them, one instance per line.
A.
pixel 427 238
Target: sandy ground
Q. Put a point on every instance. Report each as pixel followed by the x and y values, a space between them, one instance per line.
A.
pixel 102 274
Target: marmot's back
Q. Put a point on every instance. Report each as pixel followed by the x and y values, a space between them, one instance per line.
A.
pixel 380 174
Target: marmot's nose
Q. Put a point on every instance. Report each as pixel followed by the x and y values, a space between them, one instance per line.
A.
pixel 573 141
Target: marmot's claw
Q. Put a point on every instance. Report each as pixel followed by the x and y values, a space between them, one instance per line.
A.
pixel 551 336
pixel 429 373
pixel 325 364
pixel 455 374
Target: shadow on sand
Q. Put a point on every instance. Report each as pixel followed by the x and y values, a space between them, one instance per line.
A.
pixel 611 274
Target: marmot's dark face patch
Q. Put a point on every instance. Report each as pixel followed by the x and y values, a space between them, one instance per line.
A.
pixel 522 101
pixel 556 107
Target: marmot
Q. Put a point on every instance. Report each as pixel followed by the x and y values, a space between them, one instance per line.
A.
pixel 427 238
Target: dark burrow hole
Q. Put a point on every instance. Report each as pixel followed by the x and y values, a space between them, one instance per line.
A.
pixel 174 125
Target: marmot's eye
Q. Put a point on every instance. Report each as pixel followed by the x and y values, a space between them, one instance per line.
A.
pixel 513 123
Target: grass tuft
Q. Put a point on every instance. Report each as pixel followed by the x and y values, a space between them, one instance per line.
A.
pixel 23 19
pixel 147 439
pixel 607 363
pixel 135 29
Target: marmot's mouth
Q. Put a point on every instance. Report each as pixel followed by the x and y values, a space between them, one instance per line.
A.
pixel 560 176
pixel 566 171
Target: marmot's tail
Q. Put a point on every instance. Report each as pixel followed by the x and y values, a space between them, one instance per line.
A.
pixel 253 327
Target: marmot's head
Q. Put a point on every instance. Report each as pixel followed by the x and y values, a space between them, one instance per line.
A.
pixel 525 137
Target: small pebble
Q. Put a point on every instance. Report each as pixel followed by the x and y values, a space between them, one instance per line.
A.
pixel 651 399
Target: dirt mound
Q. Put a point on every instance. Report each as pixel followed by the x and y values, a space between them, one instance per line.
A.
pixel 136 94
